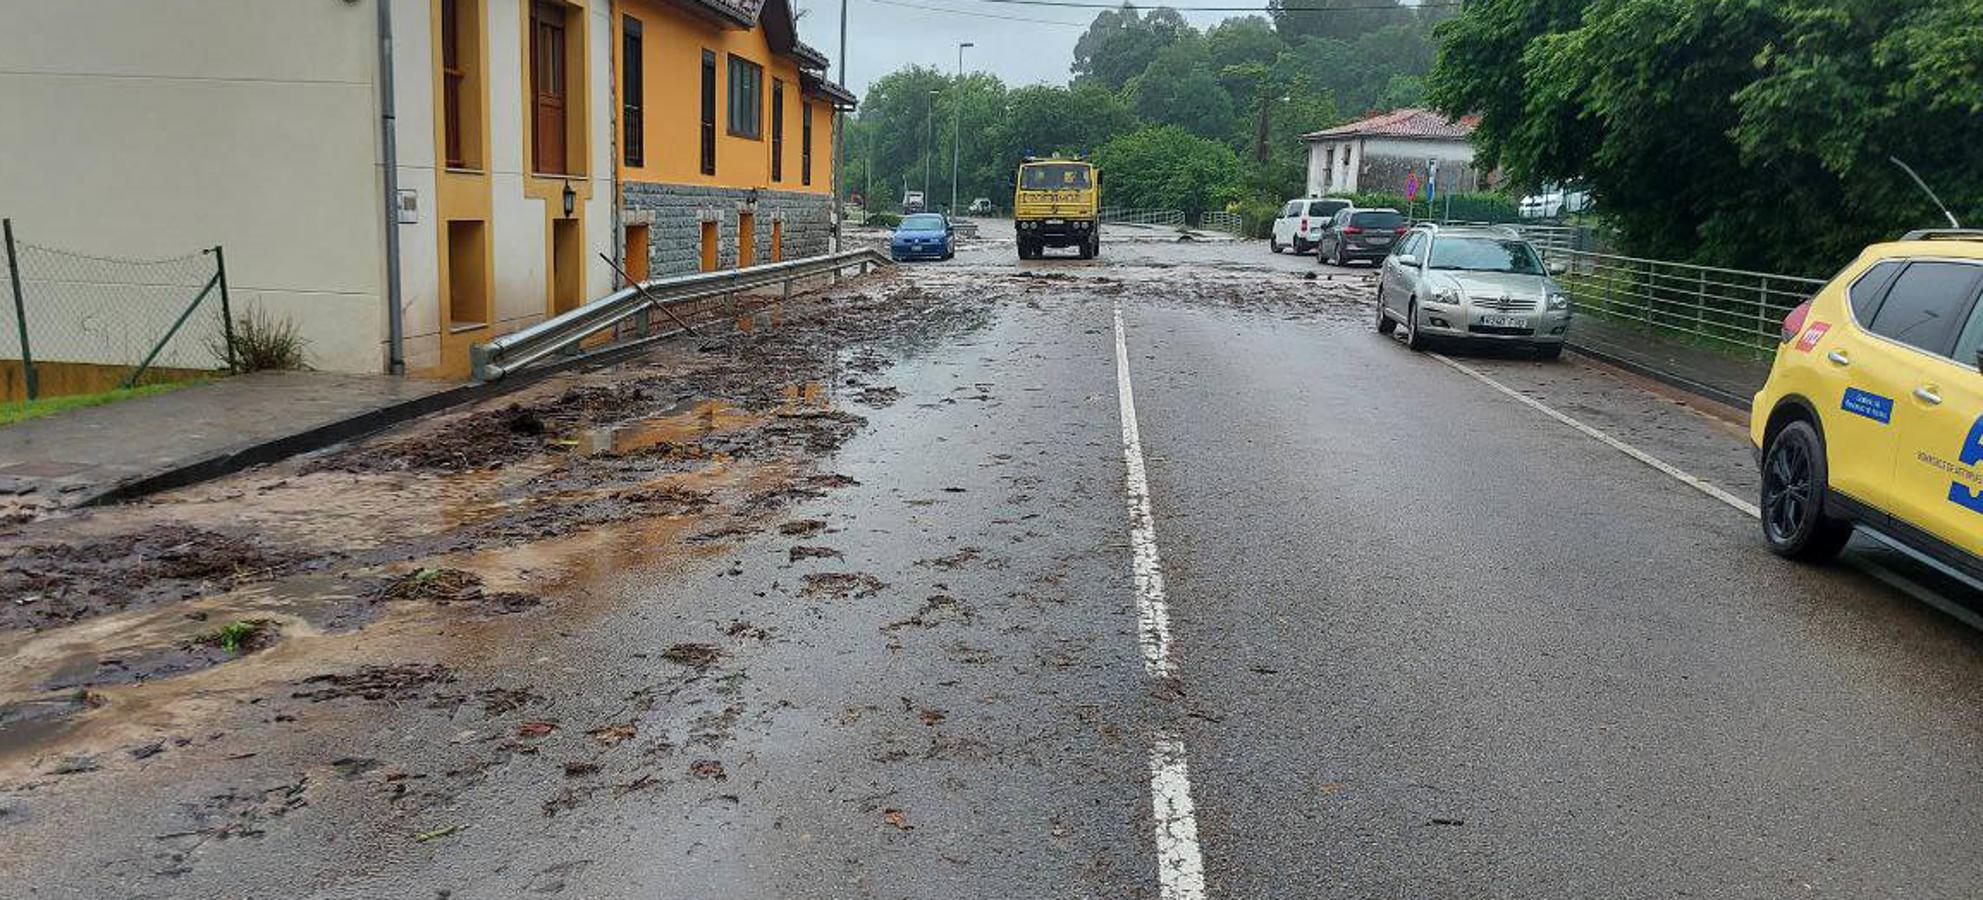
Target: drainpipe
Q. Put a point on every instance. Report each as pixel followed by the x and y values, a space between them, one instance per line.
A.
pixel 389 142
pixel 615 133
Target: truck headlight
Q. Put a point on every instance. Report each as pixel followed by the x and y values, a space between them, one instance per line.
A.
pixel 1558 301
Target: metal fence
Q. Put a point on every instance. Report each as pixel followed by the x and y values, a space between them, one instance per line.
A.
pixel 121 318
pixel 1728 309
pixel 1220 220
pixel 1116 215
pixel 1731 309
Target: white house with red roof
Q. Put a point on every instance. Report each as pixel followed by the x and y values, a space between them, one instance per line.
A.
pixel 1388 151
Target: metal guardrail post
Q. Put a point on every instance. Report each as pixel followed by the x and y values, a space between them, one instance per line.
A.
pixel 20 312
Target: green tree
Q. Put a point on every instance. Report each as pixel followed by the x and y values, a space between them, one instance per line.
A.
pixel 1121 43
pixel 1244 44
pixel 1167 167
pixel 1178 88
pixel 1729 132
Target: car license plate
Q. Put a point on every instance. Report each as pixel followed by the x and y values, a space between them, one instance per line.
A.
pixel 1056 221
pixel 1505 321
pixel 1378 240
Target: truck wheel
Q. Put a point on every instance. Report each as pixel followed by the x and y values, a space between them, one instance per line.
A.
pixel 1096 240
pixel 1087 249
pixel 1794 480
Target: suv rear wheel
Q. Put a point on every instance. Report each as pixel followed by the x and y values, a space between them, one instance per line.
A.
pixel 1794 480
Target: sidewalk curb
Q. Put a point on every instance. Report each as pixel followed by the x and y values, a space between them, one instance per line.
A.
pixel 227 462
pixel 1705 391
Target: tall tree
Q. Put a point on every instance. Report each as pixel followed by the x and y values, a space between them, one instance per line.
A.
pixel 1737 133
pixel 1178 88
pixel 1121 43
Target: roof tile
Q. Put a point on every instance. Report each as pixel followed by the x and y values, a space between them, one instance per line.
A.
pixel 1410 122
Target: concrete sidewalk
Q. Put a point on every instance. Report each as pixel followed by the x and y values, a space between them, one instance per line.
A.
pixel 160 441
pixel 1718 375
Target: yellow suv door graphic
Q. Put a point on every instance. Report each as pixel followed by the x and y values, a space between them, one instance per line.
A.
pixel 1938 483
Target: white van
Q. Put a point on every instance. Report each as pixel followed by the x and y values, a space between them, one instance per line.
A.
pixel 1302 221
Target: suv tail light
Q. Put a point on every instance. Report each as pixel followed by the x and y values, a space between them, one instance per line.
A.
pixel 1794 323
pixel 1352 229
pixel 1304 223
pixel 1400 229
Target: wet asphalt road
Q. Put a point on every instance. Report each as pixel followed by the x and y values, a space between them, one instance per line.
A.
pixel 1427 643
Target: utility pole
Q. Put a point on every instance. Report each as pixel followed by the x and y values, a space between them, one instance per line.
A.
pixel 957 125
pixel 840 139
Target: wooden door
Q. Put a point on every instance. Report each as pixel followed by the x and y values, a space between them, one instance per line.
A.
pixel 547 80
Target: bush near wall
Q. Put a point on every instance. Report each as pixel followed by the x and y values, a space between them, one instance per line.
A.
pixel 1461 208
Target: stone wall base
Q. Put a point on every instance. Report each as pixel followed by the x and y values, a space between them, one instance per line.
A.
pixel 675 213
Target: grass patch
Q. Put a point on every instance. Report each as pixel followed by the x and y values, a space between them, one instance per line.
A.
pixel 243 636
pixel 11 411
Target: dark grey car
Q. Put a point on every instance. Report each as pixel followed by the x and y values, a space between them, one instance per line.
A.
pixel 1359 234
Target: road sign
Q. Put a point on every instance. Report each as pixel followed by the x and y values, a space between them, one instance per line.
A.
pixel 1411 186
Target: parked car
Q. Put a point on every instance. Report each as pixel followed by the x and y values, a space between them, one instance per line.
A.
pixel 981 206
pixel 1872 418
pixel 922 236
pixel 1480 283
pixel 1359 234
pixel 1553 203
pixel 1301 221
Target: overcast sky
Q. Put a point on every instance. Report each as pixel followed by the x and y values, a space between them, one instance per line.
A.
pixel 885 35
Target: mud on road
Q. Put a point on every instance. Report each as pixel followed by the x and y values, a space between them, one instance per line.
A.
pixel 246 625
pixel 473 514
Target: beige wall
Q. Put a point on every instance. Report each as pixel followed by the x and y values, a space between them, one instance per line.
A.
pixel 153 128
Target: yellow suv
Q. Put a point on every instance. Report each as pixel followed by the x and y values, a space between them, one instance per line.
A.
pixel 1873 413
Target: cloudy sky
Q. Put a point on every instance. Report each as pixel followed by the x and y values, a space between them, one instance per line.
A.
pixel 1020 44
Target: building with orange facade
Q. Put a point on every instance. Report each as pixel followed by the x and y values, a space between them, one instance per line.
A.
pixel 726 135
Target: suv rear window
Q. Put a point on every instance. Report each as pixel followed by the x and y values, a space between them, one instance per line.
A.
pixel 1377 219
pixel 1323 209
pixel 1871 286
pixel 1928 305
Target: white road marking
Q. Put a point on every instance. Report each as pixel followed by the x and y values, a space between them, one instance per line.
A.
pixel 1153 611
pixel 1180 864
pixel 1687 478
pixel 1180 868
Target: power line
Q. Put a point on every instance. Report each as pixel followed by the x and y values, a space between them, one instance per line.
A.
pixel 1076 4
pixel 980 15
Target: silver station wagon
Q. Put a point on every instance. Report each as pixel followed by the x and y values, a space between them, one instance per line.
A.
pixel 1472 283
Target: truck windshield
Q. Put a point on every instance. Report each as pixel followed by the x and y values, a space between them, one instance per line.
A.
pixel 1053 177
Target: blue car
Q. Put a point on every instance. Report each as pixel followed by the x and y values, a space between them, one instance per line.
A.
pixel 922 236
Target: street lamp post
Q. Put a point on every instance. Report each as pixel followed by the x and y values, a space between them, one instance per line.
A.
pixel 929 137
pixel 957 125
pixel 839 208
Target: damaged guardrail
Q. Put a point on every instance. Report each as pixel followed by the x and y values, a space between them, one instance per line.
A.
pixel 562 334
